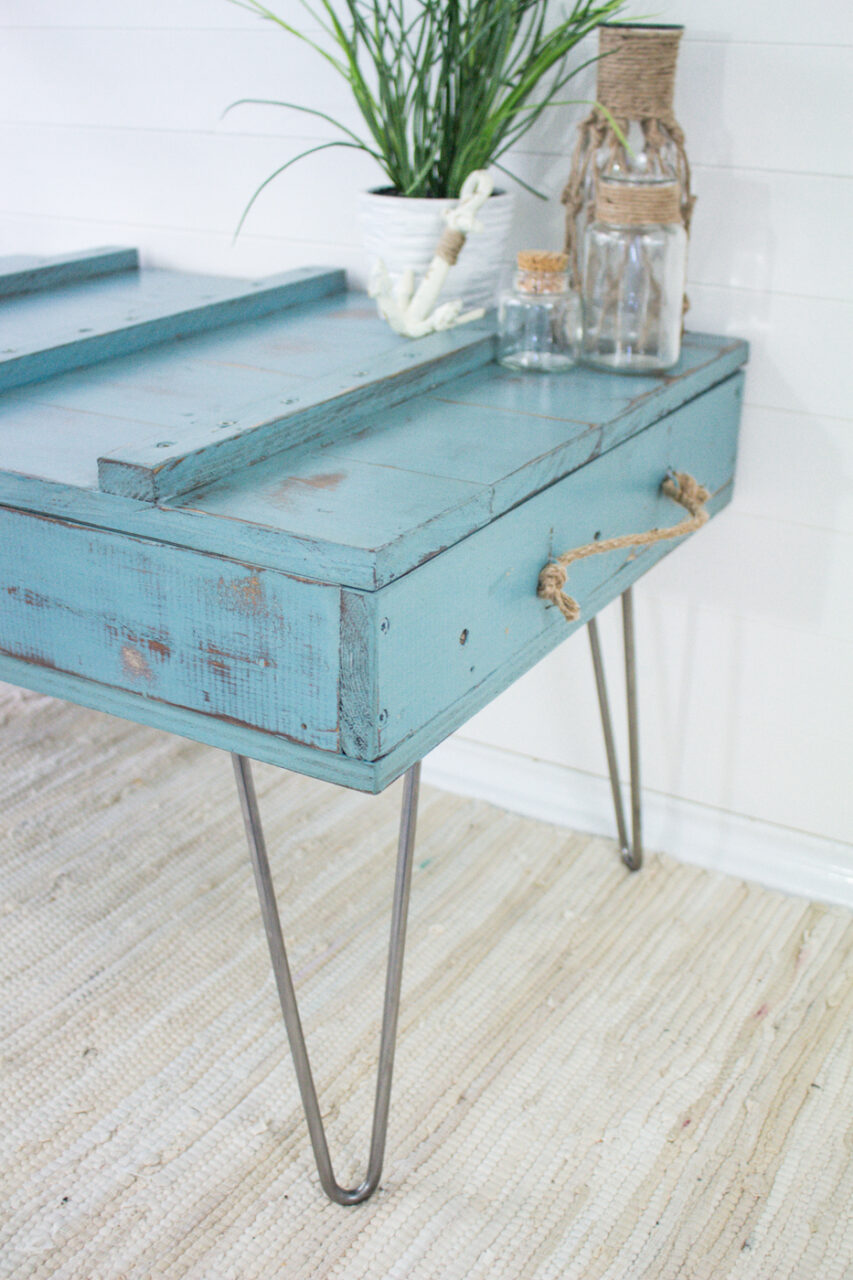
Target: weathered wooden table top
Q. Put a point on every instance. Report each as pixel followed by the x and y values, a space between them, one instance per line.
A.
pixel 280 424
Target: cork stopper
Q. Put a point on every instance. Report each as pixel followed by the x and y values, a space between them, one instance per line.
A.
pixel 637 204
pixel 541 260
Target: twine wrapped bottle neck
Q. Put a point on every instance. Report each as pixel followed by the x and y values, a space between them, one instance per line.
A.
pixel 637 204
pixel 636 71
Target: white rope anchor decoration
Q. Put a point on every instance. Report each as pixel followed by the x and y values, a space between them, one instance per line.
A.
pixel 412 313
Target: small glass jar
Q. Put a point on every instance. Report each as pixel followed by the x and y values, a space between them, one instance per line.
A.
pixel 635 257
pixel 539 317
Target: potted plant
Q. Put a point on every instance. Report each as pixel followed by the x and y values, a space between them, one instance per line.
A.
pixel 443 87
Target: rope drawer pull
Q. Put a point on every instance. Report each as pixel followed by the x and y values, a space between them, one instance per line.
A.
pixel 681 487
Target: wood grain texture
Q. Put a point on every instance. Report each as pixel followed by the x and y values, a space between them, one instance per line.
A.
pixel 330 766
pixel 111 316
pixel 36 274
pixel 177 627
pixel 473 611
pixel 335 604
pixel 361 634
pixel 372 370
pixel 411 481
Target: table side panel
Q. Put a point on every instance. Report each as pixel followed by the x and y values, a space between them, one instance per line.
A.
pixel 445 629
pixel 252 647
pixel 227 735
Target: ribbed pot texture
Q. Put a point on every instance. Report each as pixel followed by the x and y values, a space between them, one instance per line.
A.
pixel 404 232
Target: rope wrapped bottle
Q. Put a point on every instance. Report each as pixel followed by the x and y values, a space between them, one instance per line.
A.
pixel 636 85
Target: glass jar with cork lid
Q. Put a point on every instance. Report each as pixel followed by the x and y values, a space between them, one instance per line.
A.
pixel 539 316
pixel 635 257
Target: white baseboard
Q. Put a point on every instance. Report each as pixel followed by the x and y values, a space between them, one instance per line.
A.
pixel 775 856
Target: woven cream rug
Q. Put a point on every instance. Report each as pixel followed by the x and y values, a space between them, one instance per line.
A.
pixel 598 1075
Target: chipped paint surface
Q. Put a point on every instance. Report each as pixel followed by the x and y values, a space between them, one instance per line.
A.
pixel 191 629
pixel 134 663
pixel 298 486
pixel 245 594
pixel 33 598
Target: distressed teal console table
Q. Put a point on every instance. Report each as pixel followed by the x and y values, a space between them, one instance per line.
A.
pixel 248 513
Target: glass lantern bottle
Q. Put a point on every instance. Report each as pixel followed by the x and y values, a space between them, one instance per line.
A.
pixel 539 316
pixel 635 89
pixel 635 257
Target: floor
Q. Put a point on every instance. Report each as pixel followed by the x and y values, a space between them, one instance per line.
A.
pixel 599 1074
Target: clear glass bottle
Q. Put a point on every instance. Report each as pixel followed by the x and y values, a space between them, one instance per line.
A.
pixel 539 317
pixel 636 72
pixel 635 257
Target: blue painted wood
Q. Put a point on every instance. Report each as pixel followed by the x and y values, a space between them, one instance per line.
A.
pixel 417 654
pixel 190 408
pixel 358 694
pixel 298 410
pixel 190 630
pixel 357 574
pixel 474 610
pixel 32 274
pixel 215 732
pixel 370 507
pixel 45 334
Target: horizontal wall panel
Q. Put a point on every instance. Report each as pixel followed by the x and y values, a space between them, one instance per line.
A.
pixel 104 77
pixel 743 715
pixel 799 347
pixel 770 570
pixel 727 94
pixel 208 252
pixel 783 464
pixel 164 14
pixel 779 232
pixel 752 229
pixel 727 100
pixel 172 179
pixel 790 21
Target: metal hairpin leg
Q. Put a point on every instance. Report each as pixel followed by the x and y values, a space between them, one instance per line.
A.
pixel 632 851
pixel 287 995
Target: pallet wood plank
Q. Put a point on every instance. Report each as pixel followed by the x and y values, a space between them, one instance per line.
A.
pixel 324 395
pixel 180 627
pixel 30 274
pixel 292 533
pixel 358 692
pixel 375 508
pixel 99 319
pixel 471 610
pixel 329 766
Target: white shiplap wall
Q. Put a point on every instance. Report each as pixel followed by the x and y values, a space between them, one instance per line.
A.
pixel 110 132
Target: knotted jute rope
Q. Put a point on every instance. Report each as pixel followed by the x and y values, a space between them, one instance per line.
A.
pixel 450 245
pixel 630 204
pixel 636 74
pixel 681 487
pixel 636 81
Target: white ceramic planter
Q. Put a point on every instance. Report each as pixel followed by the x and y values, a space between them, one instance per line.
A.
pixel 404 232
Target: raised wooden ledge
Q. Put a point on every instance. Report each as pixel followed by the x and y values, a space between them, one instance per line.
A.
pixel 101 318
pixel 27 274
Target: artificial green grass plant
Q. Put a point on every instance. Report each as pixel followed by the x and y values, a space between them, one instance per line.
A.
pixel 443 86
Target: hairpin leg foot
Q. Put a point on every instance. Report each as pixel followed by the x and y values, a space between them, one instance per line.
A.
pixel 287 995
pixel 632 851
